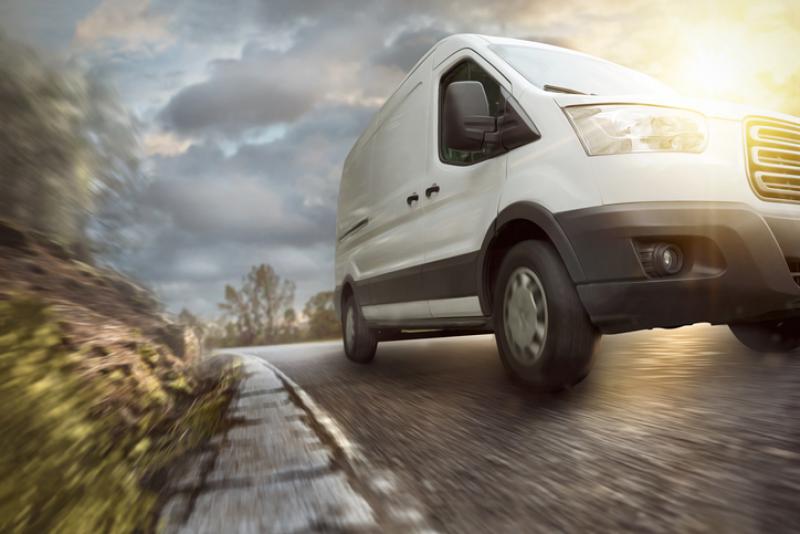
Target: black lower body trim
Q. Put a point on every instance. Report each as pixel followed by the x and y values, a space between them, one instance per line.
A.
pixel 389 334
pixel 736 265
pixel 451 278
pixel 437 323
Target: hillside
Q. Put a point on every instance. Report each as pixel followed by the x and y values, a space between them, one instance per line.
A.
pixel 103 394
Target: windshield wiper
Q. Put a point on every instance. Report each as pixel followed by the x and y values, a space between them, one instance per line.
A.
pixel 559 89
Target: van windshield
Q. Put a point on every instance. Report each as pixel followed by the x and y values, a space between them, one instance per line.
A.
pixel 564 72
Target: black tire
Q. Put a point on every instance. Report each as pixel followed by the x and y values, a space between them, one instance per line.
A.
pixel 769 336
pixel 566 349
pixel 360 346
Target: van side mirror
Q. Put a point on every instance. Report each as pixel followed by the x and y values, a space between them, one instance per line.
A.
pixel 514 132
pixel 466 116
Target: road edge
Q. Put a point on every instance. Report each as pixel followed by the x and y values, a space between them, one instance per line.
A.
pixel 396 510
pixel 330 482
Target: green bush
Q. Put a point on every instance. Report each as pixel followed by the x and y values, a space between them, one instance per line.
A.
pixel 71 460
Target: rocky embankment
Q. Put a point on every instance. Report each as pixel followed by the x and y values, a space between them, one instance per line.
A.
pixel 103 395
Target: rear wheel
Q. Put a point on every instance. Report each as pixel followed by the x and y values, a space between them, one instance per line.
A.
pixel 544 336
pixel 769 336
pixel 359 341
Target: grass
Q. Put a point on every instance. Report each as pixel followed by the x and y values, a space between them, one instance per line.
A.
pixel 84 443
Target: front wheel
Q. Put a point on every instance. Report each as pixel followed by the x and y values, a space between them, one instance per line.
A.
pixel 769 336
pixel 359 341
pixel 545 338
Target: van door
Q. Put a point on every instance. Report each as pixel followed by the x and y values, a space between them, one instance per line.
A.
pixel 391 260
pixel 460 196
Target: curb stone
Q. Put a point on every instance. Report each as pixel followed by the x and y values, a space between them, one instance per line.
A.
pixel 284 467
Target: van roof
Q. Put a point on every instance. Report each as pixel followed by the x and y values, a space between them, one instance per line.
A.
pixel 454 42
pixel 480 40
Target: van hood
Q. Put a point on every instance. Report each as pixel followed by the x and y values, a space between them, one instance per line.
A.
pixel 710 108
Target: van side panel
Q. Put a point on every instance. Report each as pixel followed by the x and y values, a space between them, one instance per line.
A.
pixel 352 211
pixel 353 192
pixel 398 152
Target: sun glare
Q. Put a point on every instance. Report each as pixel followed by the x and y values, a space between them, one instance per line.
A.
pixel 738 60
pixel 712 72
pixel 717 62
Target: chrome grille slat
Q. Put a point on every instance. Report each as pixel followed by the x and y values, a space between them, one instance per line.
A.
pixel 765 157
pixel 779 136
pixel 773 158
pixel 775 179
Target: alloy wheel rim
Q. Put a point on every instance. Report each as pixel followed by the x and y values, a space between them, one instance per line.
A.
pixel 525 316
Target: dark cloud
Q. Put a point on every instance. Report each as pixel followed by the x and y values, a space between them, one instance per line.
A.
pixel 408 48
pixel 266 85
pixel 351 55
pixel 233 208
pixel 278 77
pixel 287 12
pixel 241 95
pixel 282 191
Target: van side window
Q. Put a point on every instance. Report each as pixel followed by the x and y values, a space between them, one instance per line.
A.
pixel 469 71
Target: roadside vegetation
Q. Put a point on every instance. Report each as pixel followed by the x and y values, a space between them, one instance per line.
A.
pixel 103 395
pixel 86 439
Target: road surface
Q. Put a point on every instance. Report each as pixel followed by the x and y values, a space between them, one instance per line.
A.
pixel 682 430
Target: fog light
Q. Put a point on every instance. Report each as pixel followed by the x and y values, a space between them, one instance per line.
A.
pixel 661 259
pixel 667 259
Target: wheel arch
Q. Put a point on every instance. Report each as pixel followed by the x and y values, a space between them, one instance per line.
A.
pixel 341 293
pixel 518 222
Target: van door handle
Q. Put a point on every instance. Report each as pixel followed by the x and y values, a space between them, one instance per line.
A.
pixel 431 190
pixel 413 197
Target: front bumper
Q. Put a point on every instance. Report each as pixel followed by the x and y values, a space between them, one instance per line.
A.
pixel 737 264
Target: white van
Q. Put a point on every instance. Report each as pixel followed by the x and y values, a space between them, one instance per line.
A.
pixel 549 196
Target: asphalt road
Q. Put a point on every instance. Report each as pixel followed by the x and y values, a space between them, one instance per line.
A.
pixel 681 430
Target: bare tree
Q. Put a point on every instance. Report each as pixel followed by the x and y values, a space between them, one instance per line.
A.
pixel 271 296
pixel 237 308
pixel 289 330
pixel 260 308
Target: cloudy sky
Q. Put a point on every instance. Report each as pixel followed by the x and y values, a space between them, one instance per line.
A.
pixel 247 108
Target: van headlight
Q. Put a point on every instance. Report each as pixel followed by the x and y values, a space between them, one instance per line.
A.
pixel 627 128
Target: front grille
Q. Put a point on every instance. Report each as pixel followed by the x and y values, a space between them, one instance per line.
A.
pixel 794 268
pixel 773 158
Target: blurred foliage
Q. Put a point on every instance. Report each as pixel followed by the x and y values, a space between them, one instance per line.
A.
pixel 289 328
pixel 81 437
pixel 321 313
pixel 68 162
pixel 189 319
pixel 194 323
